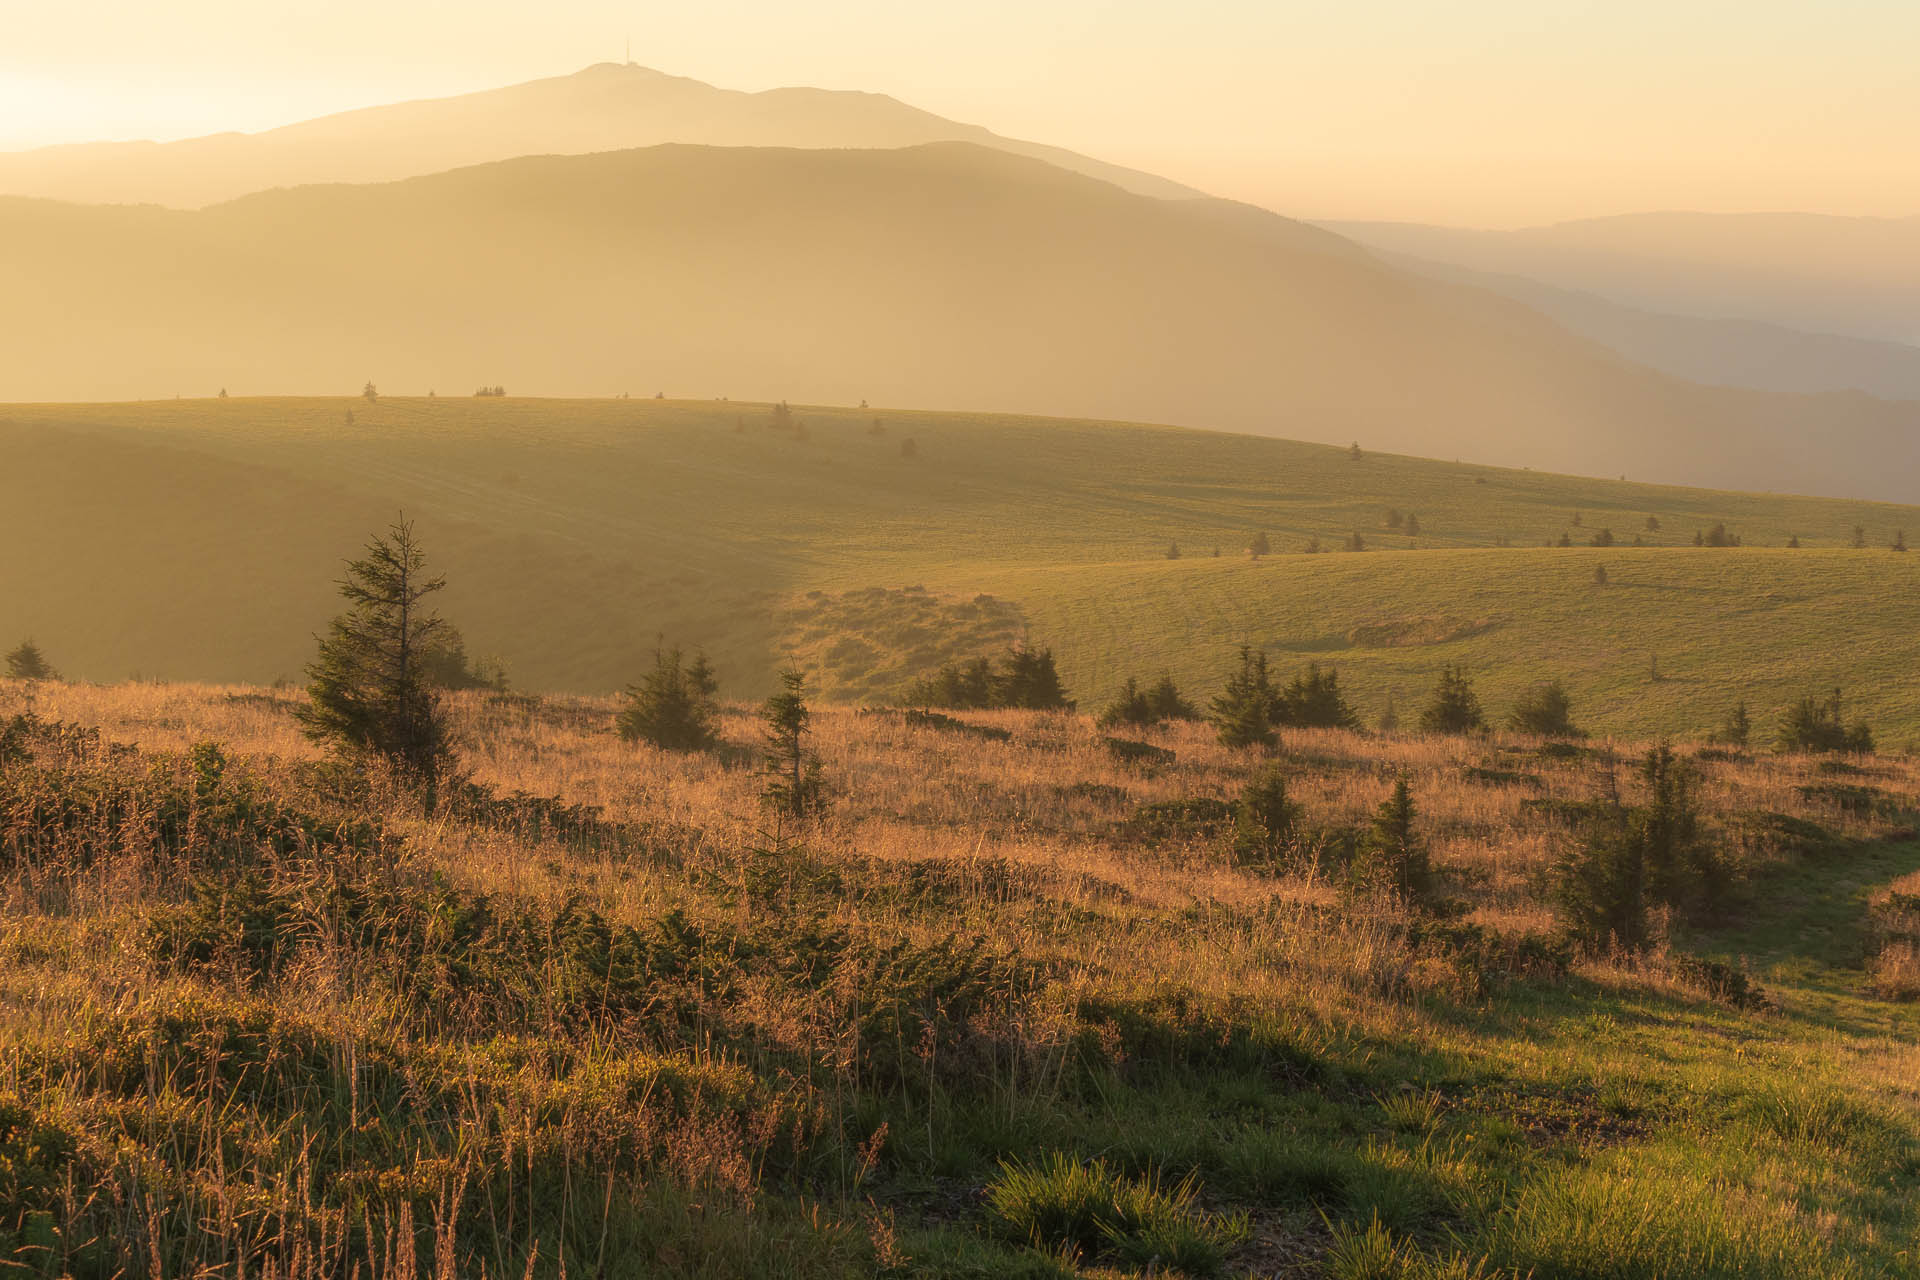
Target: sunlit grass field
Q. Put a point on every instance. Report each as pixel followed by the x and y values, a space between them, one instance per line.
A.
pixel 610 1016
pixel 199 539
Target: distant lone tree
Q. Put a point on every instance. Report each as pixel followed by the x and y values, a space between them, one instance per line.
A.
pixel 1394 518
pixel 1546 710
pixel 1899 542
pixel 1599 575
pixel 1313 547
pixel 223 393
pixel 1413 525
pixel 673 705
pixel 794 786
pixel 1601 538
pixel 782 416
pixel 1173 551
pixel 1454 707
pixel 1258 545
pixel 26 662
pixel 1814 725
pixel 371 392
pixel 1242 712
pixel 1353 451
pixel 371 692
pixel 1653 524
pixel 1355 542
pixel 1859 538
pixel 1566 539
pixel 1793 541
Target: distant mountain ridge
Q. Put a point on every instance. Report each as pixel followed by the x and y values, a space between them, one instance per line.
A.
pixel 1718 352
pixel 947 275
pixel 606 107
pixel 1818 273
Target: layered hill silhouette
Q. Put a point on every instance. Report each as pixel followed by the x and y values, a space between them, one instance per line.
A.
pixel 941 276
pixel 1853 277
pixel 1720 352
pixel 607 107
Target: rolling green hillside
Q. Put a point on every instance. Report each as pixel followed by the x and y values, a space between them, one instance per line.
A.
pixel 946 276
pixel 199 539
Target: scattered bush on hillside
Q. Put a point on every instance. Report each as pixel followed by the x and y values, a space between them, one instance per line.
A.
pixel 1546 711
pixel 484 392
pixel 1355 542
pixel 1653 524
pixel 924 719
pixel 1145 754
pixel 794 785
pixel 1413 525
pixel 1811 725
pixel 26 662
pixel 673 705
pixel 1636 859
pixel 1027 680
pixel 1716 537
pixel 1173 551
pixel 1258 545
pixel 1899 542
pixel 1265 822
pixel 1242 712
pixel 372 693
pixel 1599 575
pixel 1394 518
pixel 1454 707
pixel 1859 540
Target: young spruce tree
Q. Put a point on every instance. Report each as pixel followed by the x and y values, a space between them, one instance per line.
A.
pixel 671 706
pixel 793 773
pixel 372 692
pixel 28 663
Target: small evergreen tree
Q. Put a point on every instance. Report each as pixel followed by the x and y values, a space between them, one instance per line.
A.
pixel 1546 710
pixel 1394 518
pixel 1353 451
pixel 1793 541
pixel 1815 726
pixel 1173 551
pixel 1653 524
pixel 1313 701
pixel 794 786
pixel 1258 545
pixel 371 692
pixel 1396 851
pixel 1265 821
pixel 1738 727
pixel 1601 538
pixel 1165 702
pixel 1028 681
pixel 1454 707
pixel 447 665
pixel 1859 538
pixel 1313 546
pixel 955 687
pixel 26 662
pixel 1599 575
pixel 1355 542
pixel 1566 539
pixel 1899 540
pixel 1413 526
pixel 1131 707
pixel 371 392
pixel 673 705
pixel 1241 712
pixel 1390 716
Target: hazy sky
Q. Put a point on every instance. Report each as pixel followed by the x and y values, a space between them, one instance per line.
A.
pixel 1490 112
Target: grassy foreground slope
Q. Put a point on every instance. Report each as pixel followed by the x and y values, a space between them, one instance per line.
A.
pixel 624 1026
pixel 199 539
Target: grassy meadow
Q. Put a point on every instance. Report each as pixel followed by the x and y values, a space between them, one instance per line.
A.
pixel 1009 1006
pixel 199 539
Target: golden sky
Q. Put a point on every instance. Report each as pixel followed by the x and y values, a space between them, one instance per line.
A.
pixel 1477 112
